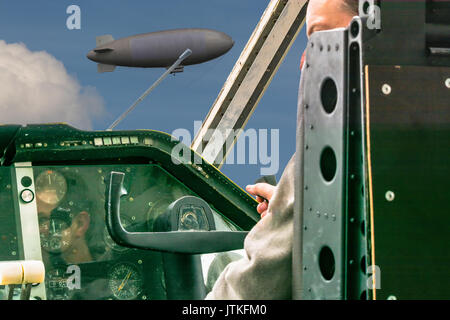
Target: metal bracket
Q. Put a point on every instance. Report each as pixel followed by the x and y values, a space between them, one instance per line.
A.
pixel 333 199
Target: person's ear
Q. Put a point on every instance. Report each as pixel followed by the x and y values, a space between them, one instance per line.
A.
pixel 81 224
pixel 302 61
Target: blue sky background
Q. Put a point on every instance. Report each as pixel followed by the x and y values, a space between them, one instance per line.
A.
pixel 179 100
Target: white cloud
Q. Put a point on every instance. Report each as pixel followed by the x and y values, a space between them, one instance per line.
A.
pixel 36 88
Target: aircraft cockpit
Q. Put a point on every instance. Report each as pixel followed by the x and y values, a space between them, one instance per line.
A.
pixel 58 213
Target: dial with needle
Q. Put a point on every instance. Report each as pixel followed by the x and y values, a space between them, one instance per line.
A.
pixel 124 282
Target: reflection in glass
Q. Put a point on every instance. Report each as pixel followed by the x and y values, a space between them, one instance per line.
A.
pixel 71 207
pixel 70 203
pixel 51 186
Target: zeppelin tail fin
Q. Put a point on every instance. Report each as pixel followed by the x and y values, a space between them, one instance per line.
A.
pixel 101 68
pixel 105 39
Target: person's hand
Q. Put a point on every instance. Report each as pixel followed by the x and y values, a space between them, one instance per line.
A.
pixel 263 192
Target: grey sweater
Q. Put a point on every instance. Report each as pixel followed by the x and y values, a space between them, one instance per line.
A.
pixel 266 270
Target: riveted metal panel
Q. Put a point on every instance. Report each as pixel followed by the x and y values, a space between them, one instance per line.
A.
pixel 410 155
pixel 323 194
pixel 358 258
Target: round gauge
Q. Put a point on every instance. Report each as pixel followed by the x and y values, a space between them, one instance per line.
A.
pixel 126 222
pixel 54 234
pixel 51 187
pixel 56 283
pixel 125 281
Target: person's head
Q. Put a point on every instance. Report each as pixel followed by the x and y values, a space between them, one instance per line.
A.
pixel 329 14
pixel 64 222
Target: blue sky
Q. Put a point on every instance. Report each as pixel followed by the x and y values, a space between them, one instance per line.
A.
pixel 179 100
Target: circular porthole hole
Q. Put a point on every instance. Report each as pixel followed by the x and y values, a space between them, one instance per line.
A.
pixel 328 95
pixel 354 29
pixel 363 265
pixel 26 181
pixel 363 295
pixel 328 164
pixel 366 6
pixel 326 263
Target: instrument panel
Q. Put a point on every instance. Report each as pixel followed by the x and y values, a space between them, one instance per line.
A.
pixel 118 279
pixel 52 186
pixel 81 260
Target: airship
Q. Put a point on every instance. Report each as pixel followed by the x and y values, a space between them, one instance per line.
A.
pixel 159 49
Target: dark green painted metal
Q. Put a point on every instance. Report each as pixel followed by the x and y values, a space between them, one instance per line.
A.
pixel 357 244
pixel 11 247
pixel 403 38
pixel 335 211
pixel 63 147
pixel 410 153
pixel 63 144
pixel 6 137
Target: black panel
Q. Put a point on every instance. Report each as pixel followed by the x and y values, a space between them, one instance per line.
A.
pixel 413 32
pixel 410 152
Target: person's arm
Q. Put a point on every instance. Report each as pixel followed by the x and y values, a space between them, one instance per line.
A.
pixel 265 272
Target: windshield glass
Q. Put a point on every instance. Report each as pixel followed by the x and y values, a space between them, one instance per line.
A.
pixel 63 210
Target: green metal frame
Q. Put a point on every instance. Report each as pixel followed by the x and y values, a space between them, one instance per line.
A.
pixel 54 144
